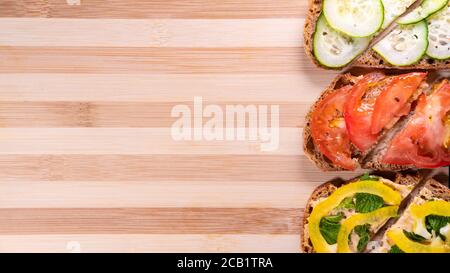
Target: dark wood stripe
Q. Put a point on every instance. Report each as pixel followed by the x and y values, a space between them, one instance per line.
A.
pixel 212 168
pixel 150 221
pixel 189 9
pixel 152 60
pixel 117 114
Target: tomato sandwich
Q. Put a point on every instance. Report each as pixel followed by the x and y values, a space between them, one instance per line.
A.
pixel 381 122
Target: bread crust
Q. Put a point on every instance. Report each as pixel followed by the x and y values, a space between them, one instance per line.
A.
pixel 436 189
pixel 314 10
pixel 326 189
pixel 369 58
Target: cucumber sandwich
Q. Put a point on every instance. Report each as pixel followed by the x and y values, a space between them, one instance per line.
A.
pixel 363 33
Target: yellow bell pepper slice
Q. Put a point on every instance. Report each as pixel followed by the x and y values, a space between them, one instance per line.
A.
pixel 322 209
pixel 419 212
pixel 398 238
pixel 376 218
pixel 438 207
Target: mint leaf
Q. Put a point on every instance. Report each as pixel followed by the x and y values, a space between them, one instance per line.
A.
pixel 368 177
pixel 414 237
pixel 363 232
pixel 395 249
pixel 329 227
pixel 347 203
pixel 435 223
pixel 366 202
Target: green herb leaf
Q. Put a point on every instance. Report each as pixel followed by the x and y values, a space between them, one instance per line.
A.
pixel 366 177
pixel 347 203
pixel 366 202
pixel 414 237
pixel 396 249
pixel 329 228
pixel 435 223
pixel 363 232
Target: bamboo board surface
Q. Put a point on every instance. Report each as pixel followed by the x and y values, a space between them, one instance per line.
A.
pixel 87 161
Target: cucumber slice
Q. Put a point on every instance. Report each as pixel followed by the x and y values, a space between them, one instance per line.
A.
pixel 439 35
pixel 356 18
pixel 405 45
pixel 335 49
pixel 427 8
pixel 393 9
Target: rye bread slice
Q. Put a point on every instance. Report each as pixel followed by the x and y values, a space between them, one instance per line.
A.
pixel 369 58
pixel 367 160
pixel 326 189
pixel 309 148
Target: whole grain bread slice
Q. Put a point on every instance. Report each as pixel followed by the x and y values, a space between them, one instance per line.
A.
pixel 369 58
pixel 325 190
pixel 371 159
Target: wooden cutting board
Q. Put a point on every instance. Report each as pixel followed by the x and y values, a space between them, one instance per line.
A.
pixel 87 159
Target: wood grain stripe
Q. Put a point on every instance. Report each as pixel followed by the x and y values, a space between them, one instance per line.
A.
pixel 198 33
pixel 140 141
pixel 150 221
pixel 159 167
pixel 295 87
pixel 153 8
pixel 233 243
pixel 152 60
pixel 155 194
pixel 123 114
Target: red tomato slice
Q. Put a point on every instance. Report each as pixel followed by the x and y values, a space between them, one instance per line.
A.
pixel 392 103
pixel 329 132
pixel 358 112
pixel 422 142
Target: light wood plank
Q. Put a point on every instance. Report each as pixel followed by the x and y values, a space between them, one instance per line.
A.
pixel 153 8
pixel 125 114
pixel 223 168
pixel 155 194
pixel 200 33
pixel 150 221
pixel 139 141
pixel 152 60
pixel 151 243
pixel 295 87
